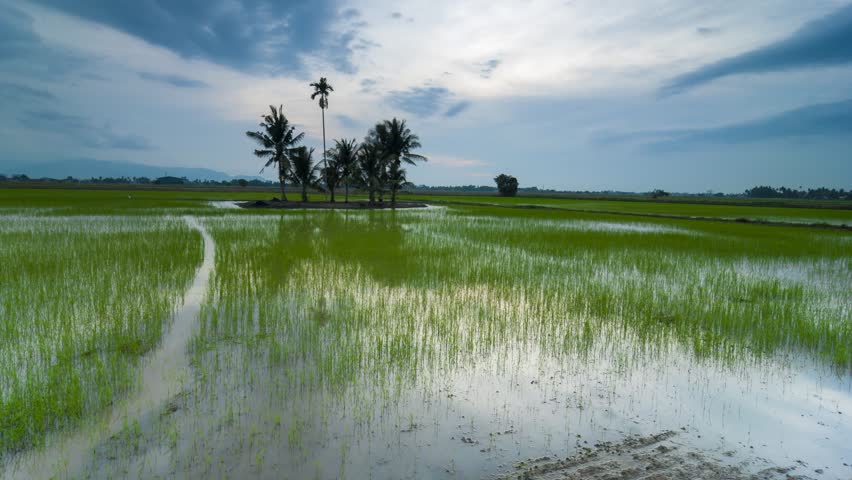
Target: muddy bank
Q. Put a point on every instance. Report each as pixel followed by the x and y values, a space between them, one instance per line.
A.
pixel 276 203
pixel 658 457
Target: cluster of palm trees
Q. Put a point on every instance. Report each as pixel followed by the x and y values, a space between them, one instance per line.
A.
pixel 374 165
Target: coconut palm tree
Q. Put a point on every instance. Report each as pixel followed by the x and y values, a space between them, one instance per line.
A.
pixel 370 168
pixel 277 139
pixel 398 144
pixel 345 156
pixel 396 179
pixel 333 175
pixel 322 89
pixel 304 172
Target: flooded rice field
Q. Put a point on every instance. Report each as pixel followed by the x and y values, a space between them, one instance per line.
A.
pixel 441 343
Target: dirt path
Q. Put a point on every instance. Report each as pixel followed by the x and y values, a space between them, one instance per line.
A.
pixel 654 457
pixel 163 375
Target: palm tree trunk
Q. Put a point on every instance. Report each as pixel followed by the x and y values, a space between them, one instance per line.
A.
pixel 332 194
pixel 393 196
pixel 346 186
pixel 282 179
pixel 304 193
pixel 324 165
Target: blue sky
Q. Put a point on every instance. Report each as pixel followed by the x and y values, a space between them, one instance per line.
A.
pixel 581 95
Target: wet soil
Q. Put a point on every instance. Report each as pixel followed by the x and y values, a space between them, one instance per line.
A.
pixel 653 457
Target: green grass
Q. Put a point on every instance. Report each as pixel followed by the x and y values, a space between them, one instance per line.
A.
pixel 81 300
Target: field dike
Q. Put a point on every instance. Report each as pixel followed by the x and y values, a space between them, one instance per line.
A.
pixel 163 376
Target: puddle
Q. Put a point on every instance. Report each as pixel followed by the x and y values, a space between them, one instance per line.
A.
pixel 224 204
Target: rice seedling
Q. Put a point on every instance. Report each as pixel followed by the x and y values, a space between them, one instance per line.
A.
pixel 82 300
pixel 338 343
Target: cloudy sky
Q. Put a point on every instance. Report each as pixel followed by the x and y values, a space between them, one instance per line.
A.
pixel 685 95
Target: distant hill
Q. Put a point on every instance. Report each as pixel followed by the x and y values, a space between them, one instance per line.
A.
pixel 84 168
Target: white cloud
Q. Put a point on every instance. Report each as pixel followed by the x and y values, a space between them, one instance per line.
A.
pixel 456 162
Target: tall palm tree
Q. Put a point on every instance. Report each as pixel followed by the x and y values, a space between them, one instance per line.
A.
pixel 370 167
pixel 322 89
pixel 277 139
pixel 304 172
pixel 398 144
pixel 345 156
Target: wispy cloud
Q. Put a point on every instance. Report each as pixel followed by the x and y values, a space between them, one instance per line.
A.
pixel 487 68
pixel 456 162
pixel 820 120
pixel 173 80
pixel 24 52
pixel 81 130
pixel 420 101
pixel 823 42
pixel 14 92
pixel 347 121
pixel 457 108
pixel 707 31
pixel 242 35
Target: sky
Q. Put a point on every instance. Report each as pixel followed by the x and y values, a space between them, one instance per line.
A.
pixel 683 95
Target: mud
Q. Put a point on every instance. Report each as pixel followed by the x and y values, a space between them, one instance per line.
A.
pixel 652 457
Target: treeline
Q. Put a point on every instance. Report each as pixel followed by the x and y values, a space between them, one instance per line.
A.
pixel 479 189
pixel 141 181
pixel 821 193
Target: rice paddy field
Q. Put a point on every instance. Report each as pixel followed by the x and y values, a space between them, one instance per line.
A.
pixel 164 335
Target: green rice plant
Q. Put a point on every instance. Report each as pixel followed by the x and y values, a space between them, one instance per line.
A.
pixel 324 301
pixel 82 299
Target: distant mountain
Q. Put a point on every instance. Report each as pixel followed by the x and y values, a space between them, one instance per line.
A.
pixel 85 168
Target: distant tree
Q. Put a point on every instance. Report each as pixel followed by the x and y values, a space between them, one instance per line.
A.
pixel 345 155
pixel 370 167
pixel 322 89
pixel 762 192
pixel 507 185
pixel 398 145
pixel 242 182
pixel 278 138
pixel 304 172
pixel 659 193
pixel 167 180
